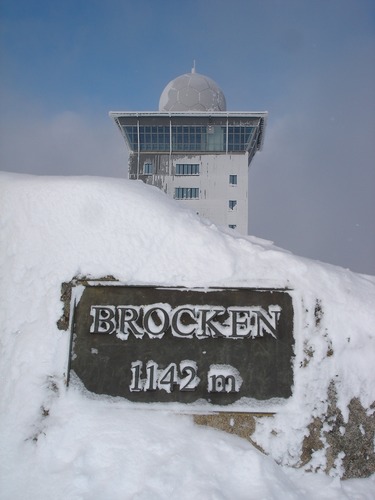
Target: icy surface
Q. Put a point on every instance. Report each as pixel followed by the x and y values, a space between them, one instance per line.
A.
pixel 68 444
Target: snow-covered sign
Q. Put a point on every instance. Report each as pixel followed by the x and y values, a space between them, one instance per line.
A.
pixel 158 344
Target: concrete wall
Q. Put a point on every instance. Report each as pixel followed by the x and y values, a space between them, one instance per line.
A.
pixel 215 190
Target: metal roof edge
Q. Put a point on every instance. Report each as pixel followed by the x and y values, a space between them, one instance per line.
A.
pixel 255 114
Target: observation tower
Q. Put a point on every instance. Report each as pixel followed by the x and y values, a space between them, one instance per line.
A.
pixel 195 150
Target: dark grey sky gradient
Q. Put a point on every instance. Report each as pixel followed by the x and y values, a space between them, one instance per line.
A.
pixel 64 65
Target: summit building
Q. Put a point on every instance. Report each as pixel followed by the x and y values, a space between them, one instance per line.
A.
pixel 195 150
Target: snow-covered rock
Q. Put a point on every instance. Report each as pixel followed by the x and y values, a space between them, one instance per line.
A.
pixel 66 443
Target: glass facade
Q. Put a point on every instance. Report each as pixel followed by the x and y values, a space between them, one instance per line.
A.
pixel 239 138
pixel 199 138
pixel 187 138
pixel 151 138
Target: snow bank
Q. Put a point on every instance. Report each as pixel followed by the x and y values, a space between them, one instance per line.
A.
pixel 69 444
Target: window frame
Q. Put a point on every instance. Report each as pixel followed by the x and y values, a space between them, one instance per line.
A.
pixel 187 169
pixel 149 170
pixel 233 177
pixel 186 193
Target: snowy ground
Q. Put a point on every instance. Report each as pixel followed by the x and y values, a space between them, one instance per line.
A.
pixel 69 444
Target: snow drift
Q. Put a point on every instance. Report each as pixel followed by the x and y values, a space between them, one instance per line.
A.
pixel 67 443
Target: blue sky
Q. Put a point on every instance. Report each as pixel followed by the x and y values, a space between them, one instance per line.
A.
pixel 310 64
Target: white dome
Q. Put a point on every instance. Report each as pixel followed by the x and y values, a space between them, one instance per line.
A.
pixel 192 92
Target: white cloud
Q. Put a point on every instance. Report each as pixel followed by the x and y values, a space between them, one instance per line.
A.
pixel 67 143
pixel 312 188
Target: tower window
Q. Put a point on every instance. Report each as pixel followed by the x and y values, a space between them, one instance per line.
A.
pixel 232 204
pixel 181 193
pixel 188 138
pixel 148 168
pixel 187 169
pixel 233 180
pixel 147 138
pixel 232 226
pixel 239 137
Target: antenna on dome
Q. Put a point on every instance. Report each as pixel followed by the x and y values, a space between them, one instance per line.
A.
pixel 193 68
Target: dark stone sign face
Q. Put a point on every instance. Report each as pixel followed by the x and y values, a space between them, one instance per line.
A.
pixel 158 344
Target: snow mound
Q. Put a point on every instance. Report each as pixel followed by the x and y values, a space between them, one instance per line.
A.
pixel 59 443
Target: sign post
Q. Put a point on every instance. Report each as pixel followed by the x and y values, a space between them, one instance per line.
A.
pixel 215 347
